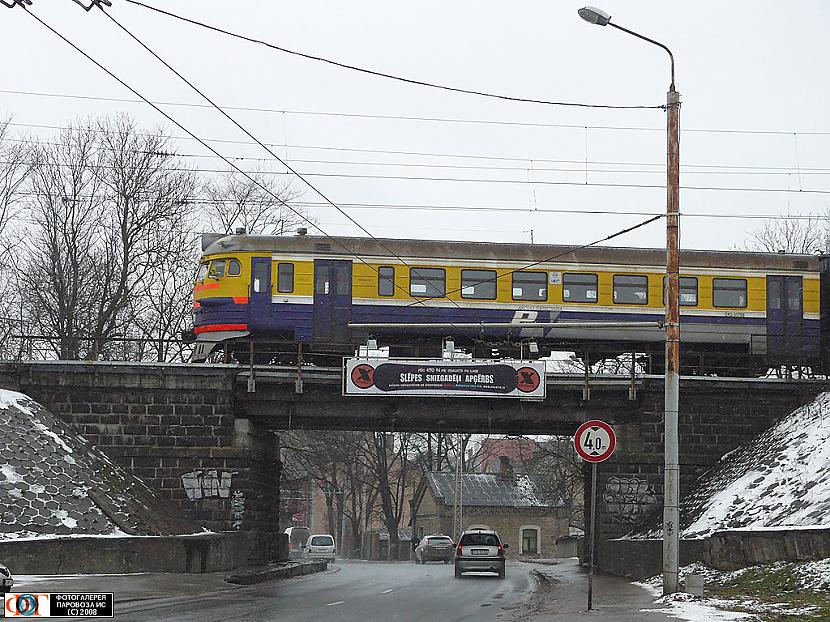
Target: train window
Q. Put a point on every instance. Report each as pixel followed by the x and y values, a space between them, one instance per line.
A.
pixel 630 289
pixel 344 281
pixel 321 280
pixel 479 284
pixel 773 295
pixel 260 277
pixel 729 293
pixel 386 281
pixel 530 285
pixel 793 287
pixel 203 270
pixel 234 269
pixel 285 278
pixel 688 291
pixel 217 269
pixel 578 287
pixel 427 281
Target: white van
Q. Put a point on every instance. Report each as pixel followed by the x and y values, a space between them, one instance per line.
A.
pixel 320 546
pixel 297 538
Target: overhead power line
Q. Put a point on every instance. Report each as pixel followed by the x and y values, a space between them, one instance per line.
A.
pixel 380 74
pixel 391 117
pixel 300 176
pixel 530 161
pixel 184 129
pixel 395 207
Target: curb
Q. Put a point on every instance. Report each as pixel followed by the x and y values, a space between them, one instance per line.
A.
pixel 283 571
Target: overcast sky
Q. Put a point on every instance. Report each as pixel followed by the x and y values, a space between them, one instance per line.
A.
pixel 757 66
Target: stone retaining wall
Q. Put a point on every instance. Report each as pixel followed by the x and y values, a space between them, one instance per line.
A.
pixel 728 550
pixel 208 552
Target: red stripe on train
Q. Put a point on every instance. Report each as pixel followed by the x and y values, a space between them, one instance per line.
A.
pixel 212 328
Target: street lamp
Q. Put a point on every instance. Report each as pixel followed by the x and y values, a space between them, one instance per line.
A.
pixel 671 487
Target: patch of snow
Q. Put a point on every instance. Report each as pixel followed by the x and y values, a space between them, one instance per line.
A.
pixel 69 459
pixel 11 398
pixel 779 480
pixel 699 611
pixel 11 475
pixel 38 489
pixel 45 430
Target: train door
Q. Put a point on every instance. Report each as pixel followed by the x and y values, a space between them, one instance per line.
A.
pixel 259 303
pixel 785 318
pixel 332 300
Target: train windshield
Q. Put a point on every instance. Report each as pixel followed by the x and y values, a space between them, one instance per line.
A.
pixel 217 269
pixel 203 270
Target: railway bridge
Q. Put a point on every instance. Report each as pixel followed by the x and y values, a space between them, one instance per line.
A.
pixel 175 424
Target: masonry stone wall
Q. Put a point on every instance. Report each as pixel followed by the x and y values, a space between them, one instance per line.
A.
pixel 174 427
pixel 715 417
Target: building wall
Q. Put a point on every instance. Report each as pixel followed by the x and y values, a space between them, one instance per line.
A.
pixel 553 523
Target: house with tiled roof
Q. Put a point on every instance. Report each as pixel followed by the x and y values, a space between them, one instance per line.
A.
pixel 529 519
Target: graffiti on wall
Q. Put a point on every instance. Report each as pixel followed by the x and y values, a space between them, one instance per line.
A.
pixel 628 500
pixel 237 509
pixel 211 484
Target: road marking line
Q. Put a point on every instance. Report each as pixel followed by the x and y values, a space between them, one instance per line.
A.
pixel 387 591
pixel 339 602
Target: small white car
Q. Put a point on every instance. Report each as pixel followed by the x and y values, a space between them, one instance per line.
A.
pixel 6 580
pixel 320 546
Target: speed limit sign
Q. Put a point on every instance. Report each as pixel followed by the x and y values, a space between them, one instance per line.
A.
pixel 595 441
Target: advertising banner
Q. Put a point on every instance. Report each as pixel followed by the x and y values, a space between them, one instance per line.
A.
pixel 440 378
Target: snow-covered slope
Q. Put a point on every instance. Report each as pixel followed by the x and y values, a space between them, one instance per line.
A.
pixel 53 483
pixel 780 479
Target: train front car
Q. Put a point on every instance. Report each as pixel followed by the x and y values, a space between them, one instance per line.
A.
pixel 741 313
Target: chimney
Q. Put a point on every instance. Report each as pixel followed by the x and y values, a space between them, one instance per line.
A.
pixel 506 470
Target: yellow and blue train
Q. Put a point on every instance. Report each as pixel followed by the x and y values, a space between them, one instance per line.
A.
pixel 745 310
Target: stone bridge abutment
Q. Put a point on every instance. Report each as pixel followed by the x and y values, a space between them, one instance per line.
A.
pixel 197 436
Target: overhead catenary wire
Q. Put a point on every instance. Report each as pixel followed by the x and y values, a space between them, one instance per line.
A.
pixel 381 74
pixel 184 129
pixel 397 117
pixel 299 175
pixel 525 159
pixel 397 207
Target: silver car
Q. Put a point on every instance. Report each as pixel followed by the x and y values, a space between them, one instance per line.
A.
pixel 437 548
pixel 479 549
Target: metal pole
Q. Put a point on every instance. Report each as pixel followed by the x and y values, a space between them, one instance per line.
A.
pixel 593 526
pixel 458 506
pixel 671 486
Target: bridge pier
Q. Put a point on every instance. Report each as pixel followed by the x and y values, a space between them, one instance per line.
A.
pixel 175 427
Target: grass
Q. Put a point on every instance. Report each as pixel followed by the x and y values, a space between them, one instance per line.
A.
pixel 775 584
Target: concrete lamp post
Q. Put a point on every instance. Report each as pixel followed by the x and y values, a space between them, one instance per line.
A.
pixel 671 489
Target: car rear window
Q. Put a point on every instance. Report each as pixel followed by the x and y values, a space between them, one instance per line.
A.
pixel 479 539
pixel 439 540
pixel 322 541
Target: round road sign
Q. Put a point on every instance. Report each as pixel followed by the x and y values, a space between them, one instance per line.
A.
pixel 527 379
pixel 363 376
pixel 595 441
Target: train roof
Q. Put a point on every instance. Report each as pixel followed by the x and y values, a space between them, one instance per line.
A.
pixel 385 248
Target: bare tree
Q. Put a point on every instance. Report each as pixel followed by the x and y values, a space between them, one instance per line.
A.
pixel 105 200
pixel 389 457
pixel 162 308
pixel 806 236
pixel 15 166
pixel 57 268
pixel 258 206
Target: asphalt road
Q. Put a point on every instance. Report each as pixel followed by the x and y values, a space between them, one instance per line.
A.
pixel 355 591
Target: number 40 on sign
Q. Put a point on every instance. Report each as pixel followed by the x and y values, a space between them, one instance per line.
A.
pixel 595 441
